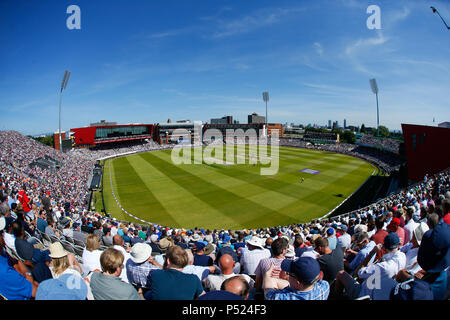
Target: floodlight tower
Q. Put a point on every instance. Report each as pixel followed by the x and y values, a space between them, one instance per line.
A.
pixel 374 86
pixel 266 99
pixel 435 11
pixel 63 86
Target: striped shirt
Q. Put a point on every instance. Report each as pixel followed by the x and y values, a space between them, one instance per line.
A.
pixel 320 291
pixel 250 259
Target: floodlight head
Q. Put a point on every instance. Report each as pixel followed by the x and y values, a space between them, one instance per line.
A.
pixel 374 86
pixel 65 80
pixel 265 96
pixel 434 9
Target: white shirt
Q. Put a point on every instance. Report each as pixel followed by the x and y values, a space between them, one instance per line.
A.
pixel 411 256
pixel 214 282
pixel 250 259
pixel 10 240
pixel 345 241
pixel 389 266
pixel 311 253
pixel 409 229
pixel 127 256
pixel 91 260
pixel 199 271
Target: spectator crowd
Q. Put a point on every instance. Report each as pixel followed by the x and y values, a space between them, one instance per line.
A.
pixel 53 248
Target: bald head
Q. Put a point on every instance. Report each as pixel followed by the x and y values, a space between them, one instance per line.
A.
pixel 118 240
pixel 237 285
pixel 226 263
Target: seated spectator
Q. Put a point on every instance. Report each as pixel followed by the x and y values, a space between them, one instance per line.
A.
pixel 200 258
pixel 200 271
pixel 410 225
pixel 107 237
pixel 412 289
pixel 107 285
pixel 63 288
pixel 63 262
pixel 37 267
pixel 411 249
pixel 252 254
pixel 394 226
pixel 15 284
pixel 345 240
pixel 140 265
pixel 330 261
pixel 299 246
pixel 91 254
pixel 434 258
pixel 303 275
pixel 77 234
pixel 8 233
pixel 119 244
pixel 331 237
pixel 67 231
pixel 362 247
pixel 41 222
pixel 279 248
pixel 237 285
pixel 226 265
pixel 171 283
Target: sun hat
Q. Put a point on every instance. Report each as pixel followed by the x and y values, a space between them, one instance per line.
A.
pixel 57 250
pixel 256 241
pixel 164 243
pixel 140 252
pixel 419 231
pixel 66 287
pixel 290 252
pixel 209 249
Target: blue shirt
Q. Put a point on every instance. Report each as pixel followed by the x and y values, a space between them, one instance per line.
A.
pixel 172 284
pixel 320 291
pixel 362 254
pixel 13 286
pixel 332 241
pixel 41 225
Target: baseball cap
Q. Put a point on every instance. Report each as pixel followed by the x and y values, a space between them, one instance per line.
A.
pixel 391 241
pixel 200 245
pixel 330 231
pixel 305 268
pixel 66 287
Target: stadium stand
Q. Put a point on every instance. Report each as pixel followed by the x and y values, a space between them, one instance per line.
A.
pixel 45 228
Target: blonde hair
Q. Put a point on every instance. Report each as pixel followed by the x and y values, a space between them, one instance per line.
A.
pixel 92 242
pixel 60 264
pixel 111 259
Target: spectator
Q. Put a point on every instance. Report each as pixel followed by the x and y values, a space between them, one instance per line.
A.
pixel 91 254
pixel 140 265
pixel 119 244
pixel 304 284
pixel 200 271
pixel 394 226
pixel 15 284
pixel 200 258
pixel 330 261
pixel 107 237
pixel 345 240
pixel 77 234
pixel 252 254
pixel 411 249
pixel 226 264
pixel 362 247
pixel 171 283
pixel 107 285
pixel 410 225
pixel 66 287
pixel 237 285
pixel 41 223
pixel 279 248
pixel 63 262
pixel 331 237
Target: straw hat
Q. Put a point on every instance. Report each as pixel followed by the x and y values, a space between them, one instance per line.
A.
pixel 57 250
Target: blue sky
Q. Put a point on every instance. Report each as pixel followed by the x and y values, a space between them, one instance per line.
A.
pixel 147 61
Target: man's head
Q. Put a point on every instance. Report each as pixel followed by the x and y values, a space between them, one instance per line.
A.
pixel 391 242
pixel 279 247
pixel 118 240
pixel 379 222
pixel 321 245
pixel 237 285
pixel 394 225
pixel 226 264
pixel 269 242
pixel 176 257
pixel 111 261
pixel 298 241
pixel 303 272
pixel 361 240
pixel 200 247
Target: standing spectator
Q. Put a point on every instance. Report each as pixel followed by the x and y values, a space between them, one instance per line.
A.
pixel 23 199
pixel 91 254
pixel 171 283
pixel 304 284
pixel 252 254
pixel 330 261
pixel 107 285
pixel 140 265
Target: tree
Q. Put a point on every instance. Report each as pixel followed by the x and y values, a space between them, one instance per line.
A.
pixel 383 131
pixel 363 128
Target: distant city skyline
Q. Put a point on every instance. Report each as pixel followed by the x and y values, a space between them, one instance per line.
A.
pixel 147 61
